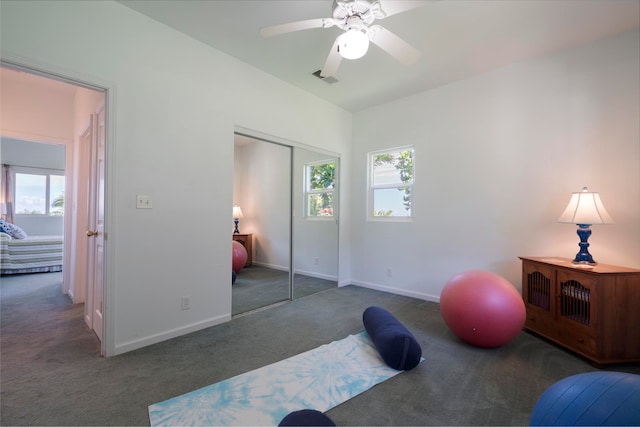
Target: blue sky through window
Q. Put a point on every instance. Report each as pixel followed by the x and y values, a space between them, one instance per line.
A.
pixel 390 199
pixel 31 192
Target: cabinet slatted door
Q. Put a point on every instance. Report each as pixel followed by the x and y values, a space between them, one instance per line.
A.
pixel 539 290
pixel 575 302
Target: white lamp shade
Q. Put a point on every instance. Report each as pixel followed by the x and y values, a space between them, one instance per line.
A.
pixel 237 212
pixel 353 44
pixel 585 207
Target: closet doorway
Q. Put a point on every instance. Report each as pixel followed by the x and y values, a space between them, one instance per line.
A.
pixel 292 234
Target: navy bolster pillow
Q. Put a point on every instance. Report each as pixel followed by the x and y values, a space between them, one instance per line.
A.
pixel 396 345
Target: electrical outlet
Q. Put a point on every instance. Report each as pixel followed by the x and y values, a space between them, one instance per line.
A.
pixel 316 261
pixel 186 302
pixel 389 272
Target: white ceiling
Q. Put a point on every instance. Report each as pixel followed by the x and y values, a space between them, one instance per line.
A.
pixel 457 38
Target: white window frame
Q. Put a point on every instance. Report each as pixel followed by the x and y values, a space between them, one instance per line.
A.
pixel 372 187
pixel 36 171
pixel 308 191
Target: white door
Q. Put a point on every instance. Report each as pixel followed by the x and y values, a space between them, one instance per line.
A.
pixel 80 288
pixel 95 233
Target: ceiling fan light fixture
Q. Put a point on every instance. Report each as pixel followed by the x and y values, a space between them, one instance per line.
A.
pixel 353 44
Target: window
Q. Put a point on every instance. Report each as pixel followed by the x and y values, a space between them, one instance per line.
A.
pixel 320 181
pixel 38 191
pixel 391 183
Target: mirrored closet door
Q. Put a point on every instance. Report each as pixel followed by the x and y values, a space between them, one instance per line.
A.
pixel 287 196
pixel 262 190
pixel 315 222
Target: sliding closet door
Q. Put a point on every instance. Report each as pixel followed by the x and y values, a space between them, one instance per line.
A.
pixel 262 189
pixel 315 222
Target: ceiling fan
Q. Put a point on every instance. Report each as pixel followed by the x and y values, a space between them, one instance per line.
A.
pixel 355 18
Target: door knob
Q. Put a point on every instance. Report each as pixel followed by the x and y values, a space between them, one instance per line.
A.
pixel 92 233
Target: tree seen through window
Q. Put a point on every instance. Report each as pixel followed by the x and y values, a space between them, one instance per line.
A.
pixel 321 180
pixel 391 182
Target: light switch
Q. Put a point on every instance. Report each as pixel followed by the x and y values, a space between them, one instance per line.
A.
pixel 143 201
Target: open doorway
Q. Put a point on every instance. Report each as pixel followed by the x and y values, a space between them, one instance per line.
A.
pixel 42 110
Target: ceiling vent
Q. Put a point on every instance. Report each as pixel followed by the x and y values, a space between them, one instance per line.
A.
pixel 330 80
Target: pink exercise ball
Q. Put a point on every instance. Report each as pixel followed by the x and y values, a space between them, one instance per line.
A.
pixel 482 308
pixel 239 254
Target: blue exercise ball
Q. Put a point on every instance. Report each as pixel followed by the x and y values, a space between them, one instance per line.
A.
pixel 590 399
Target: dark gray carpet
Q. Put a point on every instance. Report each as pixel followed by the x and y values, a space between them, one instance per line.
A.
pixel 259 286
pixel 50 374
pixel 304 286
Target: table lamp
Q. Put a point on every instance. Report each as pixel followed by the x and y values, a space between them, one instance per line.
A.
pixel 237 214
pixel 585 209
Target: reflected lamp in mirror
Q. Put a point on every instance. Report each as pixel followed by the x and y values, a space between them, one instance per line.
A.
pixel 585 209
pixel 237 214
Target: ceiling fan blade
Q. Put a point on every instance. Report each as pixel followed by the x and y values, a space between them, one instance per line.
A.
pixel 296 26
pixel 392 7
pixel 393 45
pixel 333 61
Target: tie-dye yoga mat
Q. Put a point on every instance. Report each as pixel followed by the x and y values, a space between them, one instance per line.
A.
pixel 318 379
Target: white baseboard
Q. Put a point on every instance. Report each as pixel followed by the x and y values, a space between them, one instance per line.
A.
pixel 174 333
pixel 396 291
pixel 273 266
pixel 316 275
pixel 305 273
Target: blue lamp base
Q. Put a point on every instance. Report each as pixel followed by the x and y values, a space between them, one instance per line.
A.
pixel 236 221
pixel 584 257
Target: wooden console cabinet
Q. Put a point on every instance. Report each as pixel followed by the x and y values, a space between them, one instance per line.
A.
pixel 591 310
pixel 247 242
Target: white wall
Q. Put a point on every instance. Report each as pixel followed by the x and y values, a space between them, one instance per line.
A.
pixel 40 226
pixel 497 157
pixel 33 154
pixel 176 103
